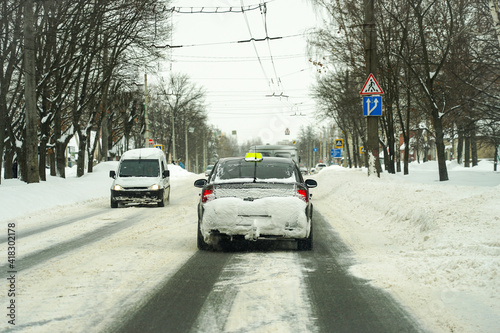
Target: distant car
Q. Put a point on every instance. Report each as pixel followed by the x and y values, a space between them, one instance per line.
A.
pixel 319 166
pixel 208 170
pixel 255 198
pixel 142 178
pixel 303 170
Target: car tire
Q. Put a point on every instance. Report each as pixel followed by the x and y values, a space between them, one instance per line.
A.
pixel 202 245
pixel 161 203
pixel 307 243
pixel 167 200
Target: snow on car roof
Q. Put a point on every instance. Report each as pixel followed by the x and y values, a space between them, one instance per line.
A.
pixel 146 153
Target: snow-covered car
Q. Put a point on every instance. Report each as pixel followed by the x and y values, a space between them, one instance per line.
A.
pixel 208 170
pixel 142 177
pixel 255 198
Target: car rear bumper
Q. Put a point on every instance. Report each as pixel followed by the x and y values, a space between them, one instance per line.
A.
pixel 283 218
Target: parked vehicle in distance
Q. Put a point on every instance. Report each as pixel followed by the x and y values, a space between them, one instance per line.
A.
pixel 208 170
pixel 255 198
pixel 276 151
pixel 142 178
pixel 319 166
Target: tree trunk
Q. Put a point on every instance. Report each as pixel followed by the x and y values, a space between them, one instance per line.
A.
pixel 82 148
pixel 473 147
pixel 467 151
pixel 42 162
pixel 460 147
pixel 9 162
pixel 31 136
pixel 495 163
pixel 494 14
pixel 104 138
pixel 3 112
pixel 52 161
pixel 440 148
pixel 347 159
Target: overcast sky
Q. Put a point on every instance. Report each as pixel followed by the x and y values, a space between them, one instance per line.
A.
pixel 238 86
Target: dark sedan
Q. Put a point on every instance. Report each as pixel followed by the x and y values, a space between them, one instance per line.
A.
pixel 255 198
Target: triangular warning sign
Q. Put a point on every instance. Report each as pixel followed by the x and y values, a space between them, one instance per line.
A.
pixel 371 87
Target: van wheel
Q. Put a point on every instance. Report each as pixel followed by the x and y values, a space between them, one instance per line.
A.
pixel 167 200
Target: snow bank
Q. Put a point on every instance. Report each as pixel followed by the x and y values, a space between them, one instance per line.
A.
pixel 434 245
pixel 18 198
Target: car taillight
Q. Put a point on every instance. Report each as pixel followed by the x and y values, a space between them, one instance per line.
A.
pixel 302 194
pixel 205 194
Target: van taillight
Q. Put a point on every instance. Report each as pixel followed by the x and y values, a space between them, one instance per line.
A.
pixel 302 194
pixel 205 194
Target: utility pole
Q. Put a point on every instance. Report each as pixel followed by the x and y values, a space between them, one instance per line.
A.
pixel 31 136
pixel 174 157
pixel 147 144
pixel 186 162
pixel 372 145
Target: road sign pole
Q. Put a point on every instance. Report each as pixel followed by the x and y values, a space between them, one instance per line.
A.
pixel 372 144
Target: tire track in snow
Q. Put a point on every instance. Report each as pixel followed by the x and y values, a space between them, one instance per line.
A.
pixel 59 223
pixel 88 238
pixel 176 304
pixel 259 292
pixel 342 302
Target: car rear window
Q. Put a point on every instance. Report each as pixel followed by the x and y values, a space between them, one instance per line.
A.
pixel 263 170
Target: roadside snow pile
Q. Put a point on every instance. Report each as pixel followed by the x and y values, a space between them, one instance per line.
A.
pixel 19 198
pixel 435 247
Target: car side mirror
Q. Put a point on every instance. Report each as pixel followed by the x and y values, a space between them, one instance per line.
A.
pixel 311 183
pixel 166 173
pixel 112 174
pixel 200 182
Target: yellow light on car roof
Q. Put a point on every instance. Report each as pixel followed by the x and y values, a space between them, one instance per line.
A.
pixel 253 157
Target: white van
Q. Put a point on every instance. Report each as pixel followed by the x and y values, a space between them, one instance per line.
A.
pixel 142 177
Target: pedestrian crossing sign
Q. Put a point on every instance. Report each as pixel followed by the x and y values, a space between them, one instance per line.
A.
pixel 371 87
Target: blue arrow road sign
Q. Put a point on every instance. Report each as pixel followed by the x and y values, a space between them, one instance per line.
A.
pixel 372 105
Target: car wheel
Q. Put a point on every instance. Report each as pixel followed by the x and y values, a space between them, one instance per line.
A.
pixel 202 245
pixel 114 204
pixel 307 243
pixel 161 203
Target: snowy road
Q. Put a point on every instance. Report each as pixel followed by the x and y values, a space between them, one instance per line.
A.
pixel 93 268
pixel 84 267
pixel 271 288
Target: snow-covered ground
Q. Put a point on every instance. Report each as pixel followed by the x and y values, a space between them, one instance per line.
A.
pixel 434 245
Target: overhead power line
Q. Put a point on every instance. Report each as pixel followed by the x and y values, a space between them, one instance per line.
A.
pixel 208 10
pixel 213 10
pixel 253 42
pixel 168 46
